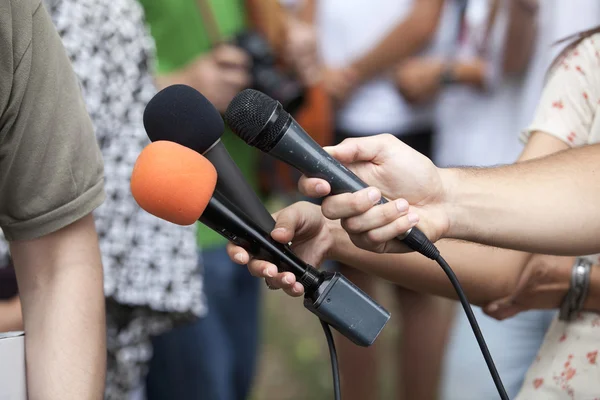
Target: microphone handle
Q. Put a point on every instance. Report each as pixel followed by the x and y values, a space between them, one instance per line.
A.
pixel 298 149
pixel 331 297
pixel 230 222
pixel 232 184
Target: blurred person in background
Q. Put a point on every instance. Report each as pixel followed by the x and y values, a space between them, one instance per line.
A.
pixel 359 45
pixel 214 358
pixel 478 85
pixel 151 278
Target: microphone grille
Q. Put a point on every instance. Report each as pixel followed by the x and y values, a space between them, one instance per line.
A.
pixel 248 113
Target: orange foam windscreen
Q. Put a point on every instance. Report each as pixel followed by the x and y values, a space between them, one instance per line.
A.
pixel 173 182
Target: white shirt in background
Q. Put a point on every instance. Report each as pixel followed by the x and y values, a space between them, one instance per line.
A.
pixel 478 127
pixel 347 29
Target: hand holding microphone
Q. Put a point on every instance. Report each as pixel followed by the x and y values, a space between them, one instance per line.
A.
pixel 395 171
pixel 263 123
pixel 177 184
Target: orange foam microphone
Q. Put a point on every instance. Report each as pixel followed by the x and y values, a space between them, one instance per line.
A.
pixel 177 184
pixel 173 182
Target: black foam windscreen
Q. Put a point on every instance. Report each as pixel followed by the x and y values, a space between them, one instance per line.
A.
pixel 181 114
pixel 248 113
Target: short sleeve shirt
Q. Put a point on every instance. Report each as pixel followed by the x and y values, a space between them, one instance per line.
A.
pixel 51 171
pixel 567 363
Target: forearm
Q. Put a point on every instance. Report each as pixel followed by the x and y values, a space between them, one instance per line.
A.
pixel 521 36
pixel 61 289
pixel 404 40
pixel 470 72
pixel 10 315
pixel 485 273
pixel 547 205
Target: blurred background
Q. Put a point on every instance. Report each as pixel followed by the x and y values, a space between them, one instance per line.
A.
pixel 458 80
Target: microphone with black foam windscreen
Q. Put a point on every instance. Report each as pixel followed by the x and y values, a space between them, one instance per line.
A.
pixel 263 123
pixel 177 184
pixel 181 114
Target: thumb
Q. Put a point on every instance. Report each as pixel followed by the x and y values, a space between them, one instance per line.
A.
pixel 367 148
pixel 298 220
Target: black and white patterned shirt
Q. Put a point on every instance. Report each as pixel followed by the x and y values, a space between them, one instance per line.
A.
pixel 147 261
pixel 151 276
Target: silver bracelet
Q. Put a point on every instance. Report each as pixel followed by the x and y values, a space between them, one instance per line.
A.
pixel 578 290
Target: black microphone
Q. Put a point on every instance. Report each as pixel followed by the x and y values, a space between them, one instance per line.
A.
pixel 177 184
pixel 263 123
pixel 181 114
pixel 330 296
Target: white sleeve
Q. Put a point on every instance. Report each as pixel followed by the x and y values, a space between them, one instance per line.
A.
pixel 571 96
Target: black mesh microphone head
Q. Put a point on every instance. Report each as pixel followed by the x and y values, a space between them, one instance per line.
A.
pixel 249 116
pixel 183 115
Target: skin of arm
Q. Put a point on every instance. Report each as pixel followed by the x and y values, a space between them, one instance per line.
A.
pixel 521 36
pixel 409 36
pixel 547 205
pixel 61 288
pixel 419 78
pixel 11 318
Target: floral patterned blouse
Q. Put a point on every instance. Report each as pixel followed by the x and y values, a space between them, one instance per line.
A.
pixel 567 366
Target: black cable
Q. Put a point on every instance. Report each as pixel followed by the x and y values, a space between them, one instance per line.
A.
pixel 475 326
pixel 334 362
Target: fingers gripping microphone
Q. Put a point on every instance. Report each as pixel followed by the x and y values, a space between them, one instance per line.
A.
pixel 263 123
pixel 177 184
pixel 183 115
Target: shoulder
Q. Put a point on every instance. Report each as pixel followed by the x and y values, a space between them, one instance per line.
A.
pixel 581 59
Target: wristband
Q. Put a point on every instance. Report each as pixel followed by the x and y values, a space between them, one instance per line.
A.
pixel 578 290
pixel 448 77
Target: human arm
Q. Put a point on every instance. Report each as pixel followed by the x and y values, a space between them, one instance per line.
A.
pixel 11 318
pixel 409 36
pixel 60 284
pixel 406 38
pixel 219 74
pixel 521 35
pixel 300 48
pixel 51 179
pixel 485 273
pixel 419 79
pixel 546 205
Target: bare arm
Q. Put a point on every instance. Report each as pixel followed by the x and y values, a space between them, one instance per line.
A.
pixel 521 35
pixel 548 205
pixel 485 273
pixel 60 283
pixel 409 36
pixel 11 318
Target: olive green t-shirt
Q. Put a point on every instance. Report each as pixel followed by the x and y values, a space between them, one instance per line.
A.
pixel 51 171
